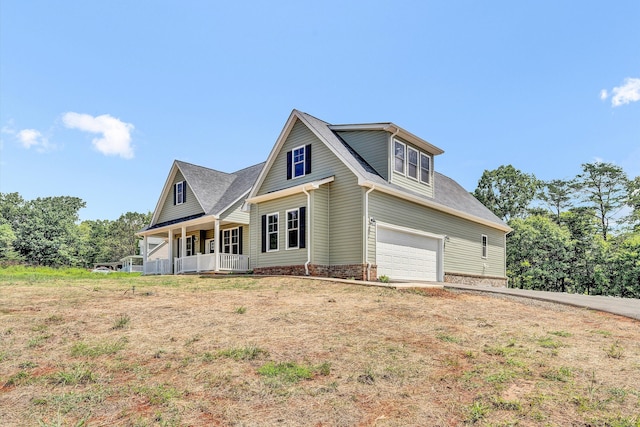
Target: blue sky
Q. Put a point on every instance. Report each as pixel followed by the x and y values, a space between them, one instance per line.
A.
pixel 98 98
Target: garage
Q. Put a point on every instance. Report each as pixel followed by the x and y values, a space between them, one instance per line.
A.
pixel 404 254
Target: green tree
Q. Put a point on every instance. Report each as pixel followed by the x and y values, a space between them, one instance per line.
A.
pixel 633 201
pixel 558 195
pixel 586 259
pixel 121 240
pixel 47 233
pixel 624 268
pixel 507 191
pixel 538 254
pixel 604 188
pixel 7 237
pixel 94 236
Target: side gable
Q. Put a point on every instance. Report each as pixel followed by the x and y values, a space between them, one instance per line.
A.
pixel 167 209
pixel 320 160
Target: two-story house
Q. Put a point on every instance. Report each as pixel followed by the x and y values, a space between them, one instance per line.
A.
pixel 353 201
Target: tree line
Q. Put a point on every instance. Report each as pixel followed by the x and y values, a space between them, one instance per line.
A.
pixel 47 232
pixel 579 235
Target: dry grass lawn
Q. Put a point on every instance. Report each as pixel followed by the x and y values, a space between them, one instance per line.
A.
pixel 292 352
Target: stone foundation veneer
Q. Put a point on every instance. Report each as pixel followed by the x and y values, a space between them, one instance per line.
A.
pixel 345 271
pixel 468 279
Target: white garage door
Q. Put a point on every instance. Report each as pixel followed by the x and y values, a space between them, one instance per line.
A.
pixel 406 256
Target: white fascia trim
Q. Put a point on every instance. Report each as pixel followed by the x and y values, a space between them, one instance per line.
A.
pixel 314 185
pixel 410 230
pixel 163 194
pixel 201 220
pixel 286 130
pixel 393 128
pixel 244 195
pixel 436 206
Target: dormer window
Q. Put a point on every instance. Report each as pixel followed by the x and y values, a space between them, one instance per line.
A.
pixel 299 162
pixel 412 163
pixel 425 168
pixel 399 154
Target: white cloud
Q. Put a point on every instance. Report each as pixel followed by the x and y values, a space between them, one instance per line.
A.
pixel 29 137
pixel 115 137
pixel 627 93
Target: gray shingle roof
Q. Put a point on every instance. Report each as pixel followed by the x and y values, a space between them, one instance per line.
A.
pixel 446 191
pixel 216 190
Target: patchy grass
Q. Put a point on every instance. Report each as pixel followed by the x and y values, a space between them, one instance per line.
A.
pixel 302 353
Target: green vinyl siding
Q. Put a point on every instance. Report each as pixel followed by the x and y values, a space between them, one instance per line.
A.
pixel 463 246
pixel 338 214
pixel 169 211
pixel 323 161
pixel 282 256
pixel 372 146
pixel 235 213
pixel 320 229
pixel 403 180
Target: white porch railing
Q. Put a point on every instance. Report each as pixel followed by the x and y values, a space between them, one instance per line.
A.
pixel 206 262
pixel 132 268
pixel 157 266
pixel 231 262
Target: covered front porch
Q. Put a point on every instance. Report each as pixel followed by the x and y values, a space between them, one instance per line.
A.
pixel 199 245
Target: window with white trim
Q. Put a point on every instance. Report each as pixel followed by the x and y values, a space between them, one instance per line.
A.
pixel 230 241
pixel 293 227
pixel 425 168
pixel 179 192
pixel 398 159
pixel 485 246
pixel 412 163
pixel 272 232
pixel 298 162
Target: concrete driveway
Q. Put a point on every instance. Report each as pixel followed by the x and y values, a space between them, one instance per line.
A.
pixel 628 307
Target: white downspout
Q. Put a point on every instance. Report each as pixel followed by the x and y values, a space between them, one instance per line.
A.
pixel 366 230
pixel 306 264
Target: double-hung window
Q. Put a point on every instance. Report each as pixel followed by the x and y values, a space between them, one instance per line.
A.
pixel 293 227
pixel 298 162
pixel 272 232
pixel 425 168
pixel 485 246
pixel 412 163
pixel 180 193
pixel 398 160
pixel 230 241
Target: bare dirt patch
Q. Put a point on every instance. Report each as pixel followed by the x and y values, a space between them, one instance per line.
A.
pixel 287 351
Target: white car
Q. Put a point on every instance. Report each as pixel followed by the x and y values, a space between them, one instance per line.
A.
pixel 103 270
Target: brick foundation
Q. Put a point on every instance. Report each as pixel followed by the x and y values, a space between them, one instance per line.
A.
pixel 345 271
pixel 468 279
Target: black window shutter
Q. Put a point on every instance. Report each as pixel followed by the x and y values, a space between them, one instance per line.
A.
pixel 307 159
pixel 174 194
pixel 221 245
pixel 302 228
pixel 264 233
pixel 289 163
pixel 240 240
pixel 184 191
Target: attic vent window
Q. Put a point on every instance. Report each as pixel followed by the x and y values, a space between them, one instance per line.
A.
pixel 180 193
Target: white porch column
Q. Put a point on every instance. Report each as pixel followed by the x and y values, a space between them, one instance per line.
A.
pixel 145 245
pixel 216 238
pixel 170 251
pixel 183 241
